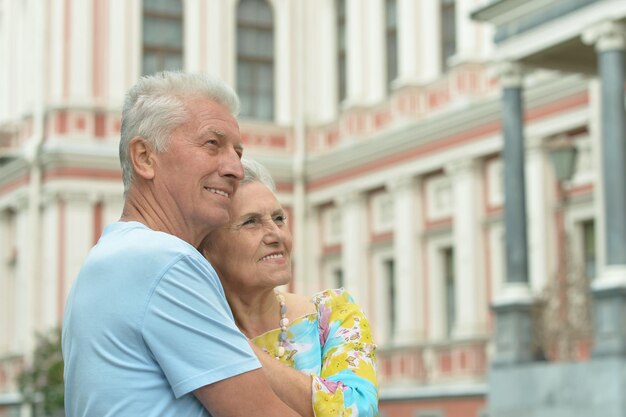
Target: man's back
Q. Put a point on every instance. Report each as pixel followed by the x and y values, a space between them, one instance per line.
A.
pixel 147 323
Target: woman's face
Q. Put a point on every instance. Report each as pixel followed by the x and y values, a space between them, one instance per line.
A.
pixel 254 248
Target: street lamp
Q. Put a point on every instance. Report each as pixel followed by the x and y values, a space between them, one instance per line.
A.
pixel 563 156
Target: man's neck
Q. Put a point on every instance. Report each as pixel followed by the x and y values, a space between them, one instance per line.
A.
pixel 142 207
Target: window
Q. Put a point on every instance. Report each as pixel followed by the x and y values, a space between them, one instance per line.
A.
pixel 390 274
pixel 162 36
pixel 382 212
pixel 255 59
pixel 338 277
pixel 495 182
pixel 448 31
pixel 391 35
pixel 341 49
pixel 450 289
pixel 439 197
pixel 331 219
pixel 589 248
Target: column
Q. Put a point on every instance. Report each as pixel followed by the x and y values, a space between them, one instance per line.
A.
pixel 24 285
pixel 8 291
pixel 76 213
pixel 320 72
pixel 79 46
pixel 307 282
pixel 51 308
pixel 123 48
pixel 609 289
pixel 409 283
pixel 467 31
pixel 512 306
pixel 113 203
pixel 429 26
pixel 375 55
pixel 353 245
pixel 537 213
pixel 409 62
pixel 356 53
pixel 470 290
pixel 285 28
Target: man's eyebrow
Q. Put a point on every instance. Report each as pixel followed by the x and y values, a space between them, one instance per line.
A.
pixel 220 134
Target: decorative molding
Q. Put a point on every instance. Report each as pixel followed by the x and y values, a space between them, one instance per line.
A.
pixel 514 294
pixel 349 198
pixel 400 184
pixel 607 35
pixel 511 74
pixel 612 276
pixel 463 166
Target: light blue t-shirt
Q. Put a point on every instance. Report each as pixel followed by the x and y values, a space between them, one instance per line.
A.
pixel 146 323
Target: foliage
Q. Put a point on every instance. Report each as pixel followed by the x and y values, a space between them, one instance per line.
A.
pixel 564 311
pixel 42 381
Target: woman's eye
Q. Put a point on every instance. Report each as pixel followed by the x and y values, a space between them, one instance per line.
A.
pixel 249 222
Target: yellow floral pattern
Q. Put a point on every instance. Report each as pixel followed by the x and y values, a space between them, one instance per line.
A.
pixel 334 346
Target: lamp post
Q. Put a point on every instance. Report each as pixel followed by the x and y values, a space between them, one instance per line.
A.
pixel 563 156
pixel 562 153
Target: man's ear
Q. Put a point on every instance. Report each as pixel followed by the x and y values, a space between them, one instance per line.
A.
pixel 141 157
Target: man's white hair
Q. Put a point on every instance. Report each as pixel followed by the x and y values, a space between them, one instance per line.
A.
pixel 155 106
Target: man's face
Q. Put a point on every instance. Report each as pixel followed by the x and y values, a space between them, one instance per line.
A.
pixel 197 175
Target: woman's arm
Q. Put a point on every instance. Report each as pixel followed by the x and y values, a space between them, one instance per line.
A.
pixel 348 379
pixel 290 385
pixel 348 382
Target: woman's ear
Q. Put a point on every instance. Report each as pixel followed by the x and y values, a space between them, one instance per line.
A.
pixel 141 157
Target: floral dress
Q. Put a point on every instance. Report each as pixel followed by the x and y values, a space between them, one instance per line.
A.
pixel 335 347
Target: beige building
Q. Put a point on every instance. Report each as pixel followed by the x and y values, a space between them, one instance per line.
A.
pixel 381 122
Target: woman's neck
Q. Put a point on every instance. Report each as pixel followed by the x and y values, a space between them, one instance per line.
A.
pixel 256 312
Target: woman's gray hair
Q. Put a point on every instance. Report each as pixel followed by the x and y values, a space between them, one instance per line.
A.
pixel 155 106
pixel 253 171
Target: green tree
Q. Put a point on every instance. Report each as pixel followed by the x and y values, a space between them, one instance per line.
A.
pixel 41 383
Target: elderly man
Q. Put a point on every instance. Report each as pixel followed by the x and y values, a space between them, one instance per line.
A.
pixel 147 330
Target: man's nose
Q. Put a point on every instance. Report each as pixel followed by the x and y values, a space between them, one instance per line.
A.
pixel 230 165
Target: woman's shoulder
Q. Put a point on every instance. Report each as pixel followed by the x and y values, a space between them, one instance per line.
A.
pixel 333 298
pixel 299 305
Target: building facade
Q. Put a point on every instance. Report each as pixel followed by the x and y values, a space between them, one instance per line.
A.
pixel 384 123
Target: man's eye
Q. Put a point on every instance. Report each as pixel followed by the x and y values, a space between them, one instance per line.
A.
pixel 281 219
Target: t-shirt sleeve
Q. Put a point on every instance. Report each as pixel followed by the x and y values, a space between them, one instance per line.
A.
pixel 190 331
pixel 347 385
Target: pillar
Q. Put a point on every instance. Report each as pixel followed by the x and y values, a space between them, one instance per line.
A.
pixel 537 213
pixel 609 289
pixel 409 281
pixel 513 335
pixel 470 292
pixel 353 245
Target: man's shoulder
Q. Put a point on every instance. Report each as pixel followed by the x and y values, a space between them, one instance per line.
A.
pixel 136 249
pixel 137 237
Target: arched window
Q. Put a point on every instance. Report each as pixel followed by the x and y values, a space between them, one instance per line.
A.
pixel 391 40
pixel 162 36
pixel 448 31
pixel 341 49
pixel 449 289
pixel 255 59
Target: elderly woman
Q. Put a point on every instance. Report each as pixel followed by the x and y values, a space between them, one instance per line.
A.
pixel 326 357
